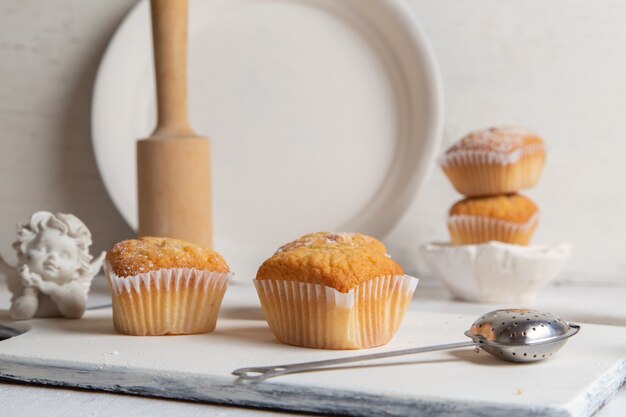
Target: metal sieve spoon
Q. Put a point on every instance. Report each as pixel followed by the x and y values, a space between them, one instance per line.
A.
pixel 515 335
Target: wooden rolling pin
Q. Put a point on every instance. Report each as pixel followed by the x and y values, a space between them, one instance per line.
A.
pixel 173 165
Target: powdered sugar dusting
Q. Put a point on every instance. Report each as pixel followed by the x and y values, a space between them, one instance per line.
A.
pixel 495 139
pixel 496 145
pixel 135 256
pixel 328 238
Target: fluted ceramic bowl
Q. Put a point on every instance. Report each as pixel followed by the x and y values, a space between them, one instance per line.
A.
pixel 496 272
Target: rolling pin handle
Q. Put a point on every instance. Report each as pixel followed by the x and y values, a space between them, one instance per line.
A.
pixel 169 35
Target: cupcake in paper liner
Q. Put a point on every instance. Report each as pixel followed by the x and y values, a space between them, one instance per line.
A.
pixel 162 286
pixel 509 218
pixel 334 291
pixel 494 161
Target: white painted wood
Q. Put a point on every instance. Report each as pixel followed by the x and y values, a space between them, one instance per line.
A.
pixel 49 53
pixel 26 400
pixel 580 302
pixel 501 62
pixel 575 382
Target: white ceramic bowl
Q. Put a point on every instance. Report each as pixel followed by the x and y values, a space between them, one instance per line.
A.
pixel 495 272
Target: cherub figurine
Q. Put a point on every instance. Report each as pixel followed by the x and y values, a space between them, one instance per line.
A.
pixel 54 268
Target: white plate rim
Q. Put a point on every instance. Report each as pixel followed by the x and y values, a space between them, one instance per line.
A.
pixel 432 137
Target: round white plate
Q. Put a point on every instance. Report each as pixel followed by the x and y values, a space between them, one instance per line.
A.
pixel 323 115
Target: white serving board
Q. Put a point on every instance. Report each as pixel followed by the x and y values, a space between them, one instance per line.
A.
pixel 89 354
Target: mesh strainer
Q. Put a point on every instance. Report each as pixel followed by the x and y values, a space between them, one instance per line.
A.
pixel 514 335
pixel 521 335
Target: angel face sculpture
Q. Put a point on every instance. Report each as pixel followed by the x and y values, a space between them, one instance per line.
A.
pixel 54 267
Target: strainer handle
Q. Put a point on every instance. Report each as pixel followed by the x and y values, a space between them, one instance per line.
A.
pixel 261 373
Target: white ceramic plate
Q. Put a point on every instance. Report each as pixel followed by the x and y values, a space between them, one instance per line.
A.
pixel 323 115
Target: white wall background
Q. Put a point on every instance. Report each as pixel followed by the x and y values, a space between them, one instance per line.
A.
pixel 557 67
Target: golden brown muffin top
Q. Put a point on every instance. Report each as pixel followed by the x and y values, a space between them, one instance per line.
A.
pixel 503 140
pixel 319 239
pixel 512 207
pixel 136 256
pixel 341 263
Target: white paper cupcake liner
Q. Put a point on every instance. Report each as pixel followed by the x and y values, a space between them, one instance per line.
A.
pixel 466 229
pixel 317 316
pixel 167 301
pixel 479 173
pixel 479 157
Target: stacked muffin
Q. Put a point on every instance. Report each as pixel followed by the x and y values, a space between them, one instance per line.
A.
pixel 489 167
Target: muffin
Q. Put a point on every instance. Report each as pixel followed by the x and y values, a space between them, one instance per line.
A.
pixel 509 218
pixel 165 286
pixel 494 161
pixel 334 291
pixel 313 240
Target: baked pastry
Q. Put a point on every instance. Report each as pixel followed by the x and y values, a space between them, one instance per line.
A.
pixel 165 286
pixel 324 239
pixel 509 218
pixel 493 161
pixel 334 291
